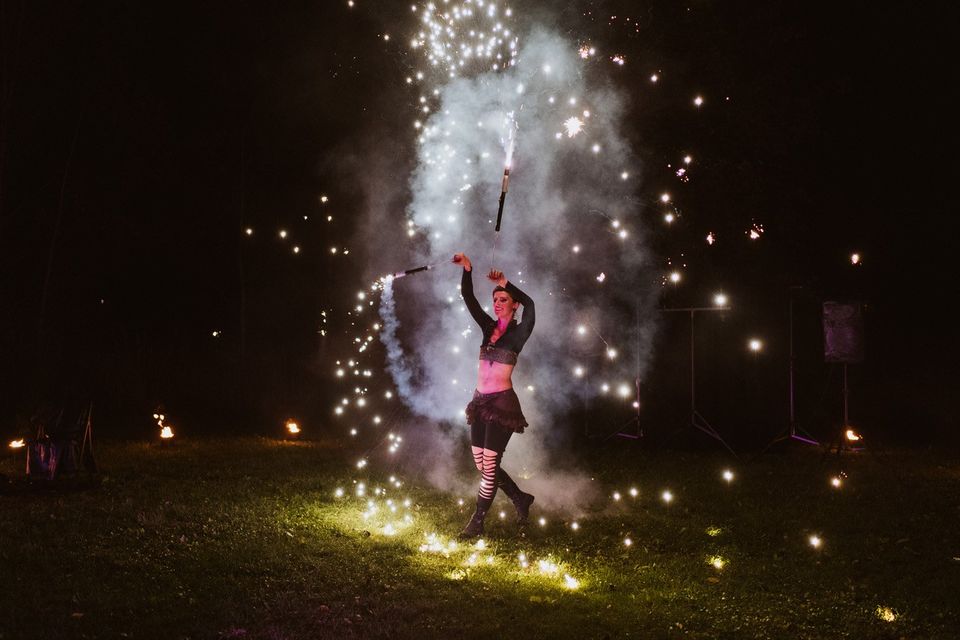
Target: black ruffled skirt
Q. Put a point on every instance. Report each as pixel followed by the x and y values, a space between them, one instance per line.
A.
pixel 501 407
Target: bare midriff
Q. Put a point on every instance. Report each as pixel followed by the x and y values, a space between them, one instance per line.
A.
pixel 494 376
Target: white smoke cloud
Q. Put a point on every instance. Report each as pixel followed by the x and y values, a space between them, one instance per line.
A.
pixel 566 191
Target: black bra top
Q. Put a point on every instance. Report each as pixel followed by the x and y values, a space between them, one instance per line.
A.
pixel 509 344
pixel 496 354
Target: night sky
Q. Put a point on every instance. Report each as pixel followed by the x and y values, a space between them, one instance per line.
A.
pixel 139 140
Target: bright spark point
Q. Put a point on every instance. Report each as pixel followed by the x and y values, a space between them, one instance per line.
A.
pixel 720 300
pixel 570 582
pixel 296 249
pixel 17 444
pixel 815 541
pixel 728 475
pixel 595 148
pixel 687 159
pixel 612 354
pixel 616 496
pixel 624 175
pixel 249 231
pixel 573 126
pixel 675 277
pixel 633 492
pixel 668 218
pixel 627 542
pixel 338 493
pixel 654 78
pixel 543 522
pixel 623 390
pixel 852 435
pixel 667 497
pixel 665 197
pixel 716 562
pixel 836 481
pixel 755 345
pixel 575 526
pixel 576 248
pixel 361 464
pixel 698 101
pixel 283 233
pixel 578 371
pixel 855 258
pixel 711 238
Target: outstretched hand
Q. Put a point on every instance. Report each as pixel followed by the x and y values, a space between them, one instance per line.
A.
pixel 497 277
pixel 463 260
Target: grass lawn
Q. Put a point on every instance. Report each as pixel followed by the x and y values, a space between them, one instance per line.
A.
pixel 247 538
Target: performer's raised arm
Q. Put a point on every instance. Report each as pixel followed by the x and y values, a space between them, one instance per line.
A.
pixel 466 291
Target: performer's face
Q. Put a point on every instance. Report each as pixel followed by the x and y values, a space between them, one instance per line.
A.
pixel 503 305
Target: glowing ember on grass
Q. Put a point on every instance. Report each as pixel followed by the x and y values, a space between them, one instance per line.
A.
pixel 853 436
pixel 716 562
pixel 292 427
pixel 166 433
pixel 886 614
pixel 17 444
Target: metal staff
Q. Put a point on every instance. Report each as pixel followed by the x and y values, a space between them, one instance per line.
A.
pixel 503 195
pixel 426 267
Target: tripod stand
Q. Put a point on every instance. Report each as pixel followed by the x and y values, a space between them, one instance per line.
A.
pixel 697 421
pixel 791 431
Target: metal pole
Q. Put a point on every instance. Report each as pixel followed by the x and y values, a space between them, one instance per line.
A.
pixel 793 415
pixel 846 416
pixel 693 375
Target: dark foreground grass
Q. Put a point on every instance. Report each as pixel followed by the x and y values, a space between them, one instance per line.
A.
pixel 246 538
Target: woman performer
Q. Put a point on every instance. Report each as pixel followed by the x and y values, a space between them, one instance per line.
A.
pixel 494 413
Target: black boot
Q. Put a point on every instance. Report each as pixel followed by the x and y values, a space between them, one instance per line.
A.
pixel 474 528
pixel 521 501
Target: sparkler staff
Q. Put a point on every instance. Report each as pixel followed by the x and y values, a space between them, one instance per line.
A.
pixel 401 274
pixel 494 413
pixel 505 185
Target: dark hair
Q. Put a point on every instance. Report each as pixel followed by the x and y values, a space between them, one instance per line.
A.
pixel 498 288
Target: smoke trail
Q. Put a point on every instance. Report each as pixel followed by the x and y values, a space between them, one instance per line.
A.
pixel 396 363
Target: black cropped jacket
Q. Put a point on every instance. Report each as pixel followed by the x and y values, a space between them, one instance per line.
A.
pixel 517 333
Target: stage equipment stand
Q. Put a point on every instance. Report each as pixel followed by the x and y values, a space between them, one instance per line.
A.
pixel 632 429
pixel 697 421
pixel 791 432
